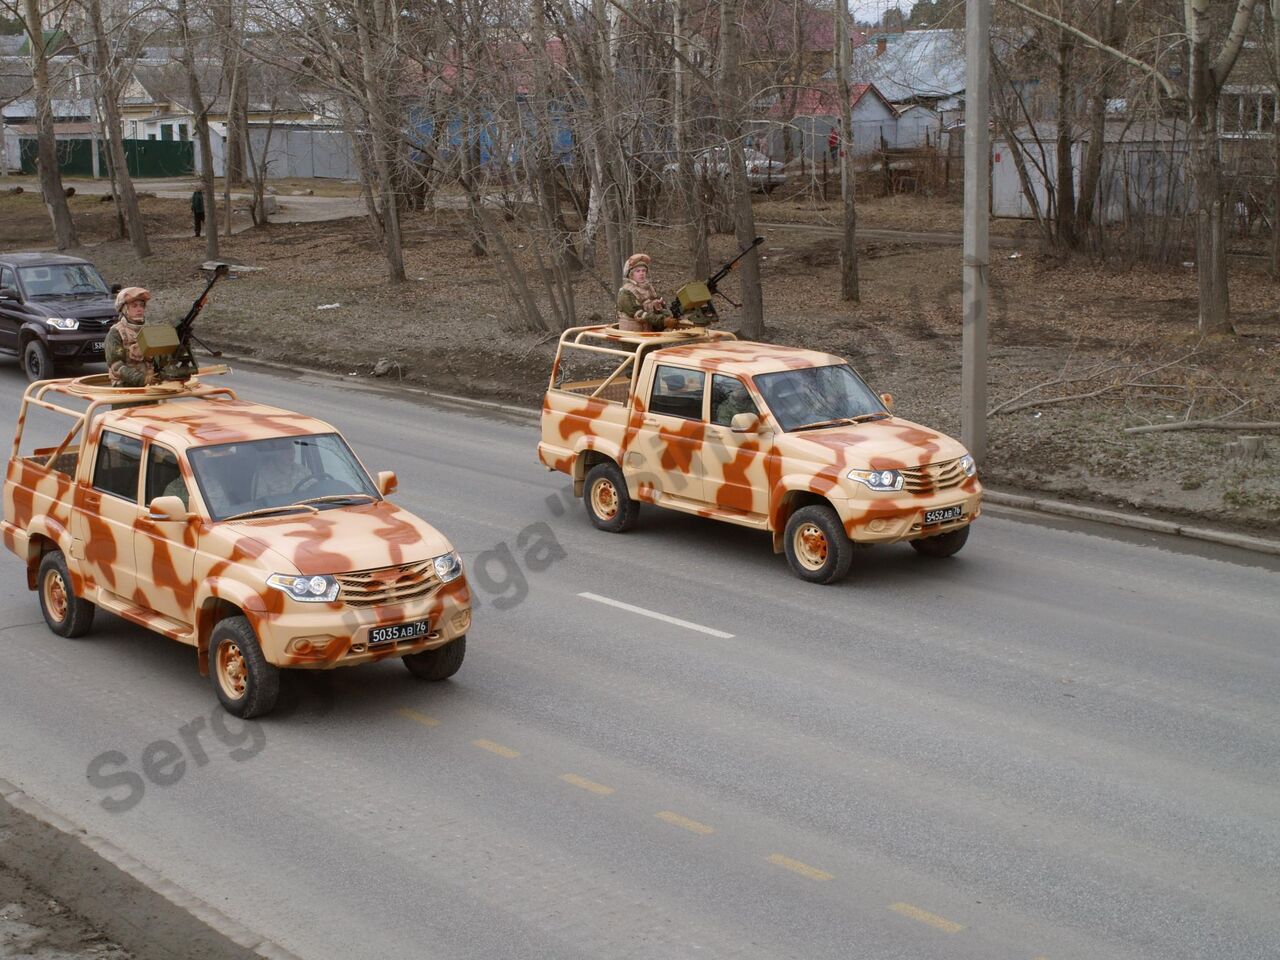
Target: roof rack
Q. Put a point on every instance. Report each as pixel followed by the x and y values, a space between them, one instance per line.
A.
pixel 628 346
pixel 97 389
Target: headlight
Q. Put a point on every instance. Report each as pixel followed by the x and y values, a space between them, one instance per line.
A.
pixel 448 567
pixel 305 589
pixel 882 481
pixel 62 323
pixel 969 465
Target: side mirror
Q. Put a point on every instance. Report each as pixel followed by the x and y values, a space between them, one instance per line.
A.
pixel 8 293
pixel 745 423
pixel 167 508
pixel 116 288
pixel 887 400
pixel 387 482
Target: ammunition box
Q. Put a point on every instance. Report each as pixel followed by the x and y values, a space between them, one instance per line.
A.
pixel 157 340
pixel 693 295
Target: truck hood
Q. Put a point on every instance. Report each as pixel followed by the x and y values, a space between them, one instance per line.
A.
pixel 82 308
pixel 342 539
pixel 891 444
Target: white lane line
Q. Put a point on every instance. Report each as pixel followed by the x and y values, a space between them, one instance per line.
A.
pixel 657 616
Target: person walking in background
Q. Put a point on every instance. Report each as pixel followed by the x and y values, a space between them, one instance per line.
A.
pixel 197 209
pixel 833 143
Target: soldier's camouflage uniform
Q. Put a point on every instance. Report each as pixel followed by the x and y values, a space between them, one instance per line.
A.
pixel 640 308
pixel 125 364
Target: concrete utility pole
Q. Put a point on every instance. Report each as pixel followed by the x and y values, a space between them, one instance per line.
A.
pixel 977 176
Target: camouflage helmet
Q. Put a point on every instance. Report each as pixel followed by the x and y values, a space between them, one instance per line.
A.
pixel 130 294
pixel 633 261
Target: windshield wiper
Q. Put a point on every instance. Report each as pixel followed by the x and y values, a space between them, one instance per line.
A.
pixel 868 417
pixel 339 498
pixel 825 423
pixel 268 511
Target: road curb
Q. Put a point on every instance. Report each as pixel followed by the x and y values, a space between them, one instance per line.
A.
pixel 151 917
pixel 995 497
pixel 1130 521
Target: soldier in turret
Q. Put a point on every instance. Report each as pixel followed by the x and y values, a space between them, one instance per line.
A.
pixel 640 308
pixel 125 364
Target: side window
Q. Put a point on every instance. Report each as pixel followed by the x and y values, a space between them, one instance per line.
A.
pixel 677 392
pixel 164 476
pixel 7 278
pixel 117 466
pixel 729 397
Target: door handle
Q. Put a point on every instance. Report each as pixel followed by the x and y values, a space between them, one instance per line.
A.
pixel 649 421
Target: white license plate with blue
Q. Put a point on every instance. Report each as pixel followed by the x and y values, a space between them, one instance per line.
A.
pixel 943 514
pixel 398 632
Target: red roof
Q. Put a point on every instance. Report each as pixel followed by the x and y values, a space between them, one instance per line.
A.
pixel 820 101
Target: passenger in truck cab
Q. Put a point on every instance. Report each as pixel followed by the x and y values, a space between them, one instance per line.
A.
pixel 279 474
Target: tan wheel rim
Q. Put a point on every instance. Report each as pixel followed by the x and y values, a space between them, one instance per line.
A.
pixel 55 595
pixel 604 499
pixel 233 673
pixel 811 546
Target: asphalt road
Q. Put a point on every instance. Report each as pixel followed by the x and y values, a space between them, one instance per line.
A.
pixel 1059 744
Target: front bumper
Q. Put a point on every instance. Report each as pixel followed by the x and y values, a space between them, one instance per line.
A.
pixel 76 346
pixel 890 517
pixel 337 634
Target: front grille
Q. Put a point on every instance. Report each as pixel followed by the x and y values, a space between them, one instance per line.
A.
pixel 934 477
pixel 387 585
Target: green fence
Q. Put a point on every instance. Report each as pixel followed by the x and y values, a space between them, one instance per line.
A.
pixel 145 158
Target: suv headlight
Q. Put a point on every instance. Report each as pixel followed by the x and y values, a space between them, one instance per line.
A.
pixel 882 481
pixel 306 589
pixel 448 566
pixel 969 465
pixel 62 323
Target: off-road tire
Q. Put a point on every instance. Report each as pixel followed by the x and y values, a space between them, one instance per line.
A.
pixel 438 664
pixel 247 686
pixel 605 485
pixel 944 544
pixel 816 545
pixel 66 614
pixel 36 362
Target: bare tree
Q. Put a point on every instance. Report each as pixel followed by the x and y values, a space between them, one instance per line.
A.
pixel 55 199
pixel 848 235
pixel 107 78
pixel 200 111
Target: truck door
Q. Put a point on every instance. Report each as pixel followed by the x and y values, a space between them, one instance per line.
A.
pixel 664 455
pixel 108 511
pixel 10 319
pixel 166 549
pixel 734 471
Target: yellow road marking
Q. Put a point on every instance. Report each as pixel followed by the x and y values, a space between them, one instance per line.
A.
pixel 795 866
pixel 691 825
pixel 586 784
pixel 497 748
pixel 924 916
pixel 421 718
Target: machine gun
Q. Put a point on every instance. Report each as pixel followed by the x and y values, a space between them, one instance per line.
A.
pixel 168 348
pixel 696 297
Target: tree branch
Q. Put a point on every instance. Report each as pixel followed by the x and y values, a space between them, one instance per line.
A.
pixel 1226 59
pixel 1169 89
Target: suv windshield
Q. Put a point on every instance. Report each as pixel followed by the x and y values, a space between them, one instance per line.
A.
pixel 814 396
pixel 274 474
pixel 62 280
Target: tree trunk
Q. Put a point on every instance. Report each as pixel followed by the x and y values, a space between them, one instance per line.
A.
pixel 1065 180
pixel 1275 142
pixel 383 136
pixel 849 288
pixel 55 199
pixel 752 321
pixel 1205 165
pixel 694 214
pixel 201 113
pixel 109 92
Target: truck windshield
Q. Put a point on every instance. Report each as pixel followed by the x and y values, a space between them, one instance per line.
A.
pixel 818 396
pixel 319 469
pixel 62 280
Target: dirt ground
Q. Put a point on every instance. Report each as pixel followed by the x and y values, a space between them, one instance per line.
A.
pixel 35 927
pixel 1079 351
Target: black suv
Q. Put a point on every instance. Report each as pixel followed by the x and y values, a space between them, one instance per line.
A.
pixel 54 309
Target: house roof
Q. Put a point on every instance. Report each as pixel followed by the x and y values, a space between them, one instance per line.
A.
pixel 269 87
pixel 923 64
pixel 820 101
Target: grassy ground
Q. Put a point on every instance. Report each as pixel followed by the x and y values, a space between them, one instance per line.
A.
pixel 1060 330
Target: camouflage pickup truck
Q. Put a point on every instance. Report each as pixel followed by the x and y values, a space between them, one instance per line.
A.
pixel 250 533
pixel 780 439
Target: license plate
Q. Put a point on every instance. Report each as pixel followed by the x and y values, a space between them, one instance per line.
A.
pixel 399 631
pixel 96 346
pixel 943 514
